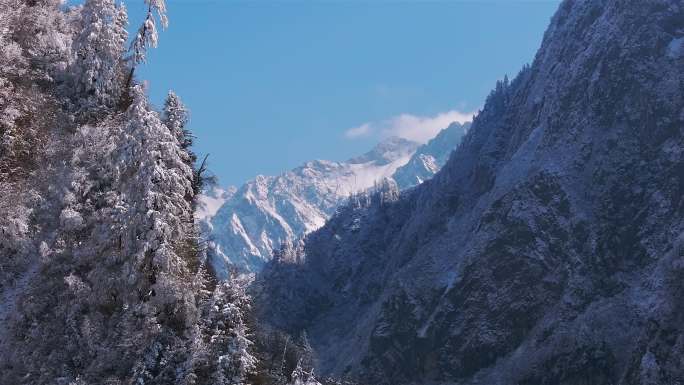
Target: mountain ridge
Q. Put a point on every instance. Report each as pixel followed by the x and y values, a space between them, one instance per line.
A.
pixel 547 250
pixel 268 211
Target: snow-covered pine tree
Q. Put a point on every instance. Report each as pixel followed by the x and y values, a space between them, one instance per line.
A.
pixel 176 117
pixel 120 34
pixel 147 35
pixel 13 64
pixel 385 191
pixel 98 50
pixel 149 163
pixel 301 376
pixel 229 359
pixel 99 255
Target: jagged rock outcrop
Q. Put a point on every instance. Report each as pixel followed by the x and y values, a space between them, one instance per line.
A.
pixel 548 250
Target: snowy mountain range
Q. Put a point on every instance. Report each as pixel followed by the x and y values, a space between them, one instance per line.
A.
pixel 247 224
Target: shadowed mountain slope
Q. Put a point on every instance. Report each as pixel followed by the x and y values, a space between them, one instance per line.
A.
pixel 548 250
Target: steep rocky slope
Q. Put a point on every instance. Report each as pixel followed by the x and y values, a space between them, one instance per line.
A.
pixel 549 249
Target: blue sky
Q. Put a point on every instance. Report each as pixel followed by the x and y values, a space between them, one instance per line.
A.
pixel 273 84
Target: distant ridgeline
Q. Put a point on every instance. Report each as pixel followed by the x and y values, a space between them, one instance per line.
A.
pixel 247 224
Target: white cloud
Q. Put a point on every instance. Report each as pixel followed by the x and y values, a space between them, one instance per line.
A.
pixel 412 127
pixel 356 132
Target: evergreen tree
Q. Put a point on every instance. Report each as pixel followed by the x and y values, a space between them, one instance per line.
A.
pixel 301 376
pixel 224 322
pixel 147 35
pixel 120 32
pixel 99 49
pixel 176 117
pixel 97 280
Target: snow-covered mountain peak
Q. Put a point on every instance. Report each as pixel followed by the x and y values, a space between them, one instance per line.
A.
pixel 257 218
pixel 387 151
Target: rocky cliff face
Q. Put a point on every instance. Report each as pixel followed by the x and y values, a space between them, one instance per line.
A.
pixel 548 250
pixel 247 224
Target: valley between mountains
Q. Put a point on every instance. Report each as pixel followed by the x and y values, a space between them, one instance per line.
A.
pixel 540 243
